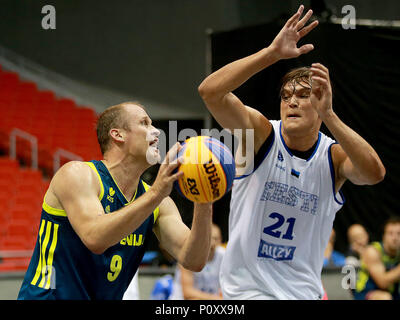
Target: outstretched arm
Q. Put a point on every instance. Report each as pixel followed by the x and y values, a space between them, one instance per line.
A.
pixel 354 158
pixel 216 89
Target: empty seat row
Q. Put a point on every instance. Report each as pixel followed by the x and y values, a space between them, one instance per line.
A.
pixel 56 123
pixel 21 196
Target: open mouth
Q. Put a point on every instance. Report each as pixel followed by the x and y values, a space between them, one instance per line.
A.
pixel 293 116
pixel 154 144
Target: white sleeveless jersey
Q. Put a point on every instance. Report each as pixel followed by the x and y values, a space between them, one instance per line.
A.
pixel 207 280
pixel 281 217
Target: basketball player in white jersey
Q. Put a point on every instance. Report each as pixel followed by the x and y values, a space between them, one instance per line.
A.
pixel 282 210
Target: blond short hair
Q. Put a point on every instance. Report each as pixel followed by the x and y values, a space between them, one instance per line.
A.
pixel 112 117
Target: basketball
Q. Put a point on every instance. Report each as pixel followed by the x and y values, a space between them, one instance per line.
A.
pixel 208 169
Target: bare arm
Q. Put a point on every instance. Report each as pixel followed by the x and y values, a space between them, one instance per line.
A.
pixel 76 188
pixel 354 158
pixel 376 269
pixel 189 291
pixel 190 247
pixel 216 89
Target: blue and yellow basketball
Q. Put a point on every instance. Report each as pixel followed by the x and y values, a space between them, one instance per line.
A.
pixel 208 167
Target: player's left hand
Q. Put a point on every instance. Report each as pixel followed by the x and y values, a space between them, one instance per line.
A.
pixel 285 43
pixel 321 93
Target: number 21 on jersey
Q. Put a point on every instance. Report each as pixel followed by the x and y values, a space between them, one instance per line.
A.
pixel 276 229
pixel 279 228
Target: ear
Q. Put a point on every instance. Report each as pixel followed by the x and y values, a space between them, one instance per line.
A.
pixel 117 135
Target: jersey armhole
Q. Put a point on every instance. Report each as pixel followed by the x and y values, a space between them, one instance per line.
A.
pixel 93 167
pixel 342 200
pixel 156 210
pixel 50 210
pixel 261 154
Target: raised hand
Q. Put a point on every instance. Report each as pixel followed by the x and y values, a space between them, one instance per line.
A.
pixel 321 93
pixel 285 43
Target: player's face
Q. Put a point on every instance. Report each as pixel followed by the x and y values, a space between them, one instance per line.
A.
pixel 391 237
pixel 142 139
pixel 360 236
pixel 297 114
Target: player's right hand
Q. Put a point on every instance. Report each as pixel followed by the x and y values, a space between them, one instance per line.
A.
pixel 166 175
pixel 285 43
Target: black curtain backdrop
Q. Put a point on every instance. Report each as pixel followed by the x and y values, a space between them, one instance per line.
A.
pixel 365 74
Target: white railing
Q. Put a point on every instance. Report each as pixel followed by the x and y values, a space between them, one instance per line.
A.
pixel 57 156
pixel 61 153
pixel 27 136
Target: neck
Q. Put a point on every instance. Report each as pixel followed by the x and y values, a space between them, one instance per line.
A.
pixel 300 142
pixel 125 171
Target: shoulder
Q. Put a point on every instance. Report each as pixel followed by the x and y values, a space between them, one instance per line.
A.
pixel 337 157
pixel 262 148
pixel 73 167
pixel 261 125
pixel 337 152
pixel 371 253
pixel 75 171
pixel 257 117
pixel 74 175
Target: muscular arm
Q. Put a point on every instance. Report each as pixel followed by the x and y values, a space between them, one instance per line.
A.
pixel 376 269
pixel 228 110
pixel 76 187
pixel 353 158
pixel 190 247
pixel 216 89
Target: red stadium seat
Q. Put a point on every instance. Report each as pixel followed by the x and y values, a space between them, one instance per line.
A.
pixel 9 79
pixel 8 164
pixel 7 179
pixel 18 228
pixel 87 115
pixel 9 264
pixel 46 97
pixel 14 243
pixel 4 221
pixel 27 91
pixel 14 264
pixel 57 123
pixel 30 176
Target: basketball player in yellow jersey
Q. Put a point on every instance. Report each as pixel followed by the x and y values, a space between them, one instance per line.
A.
pixel 97 216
